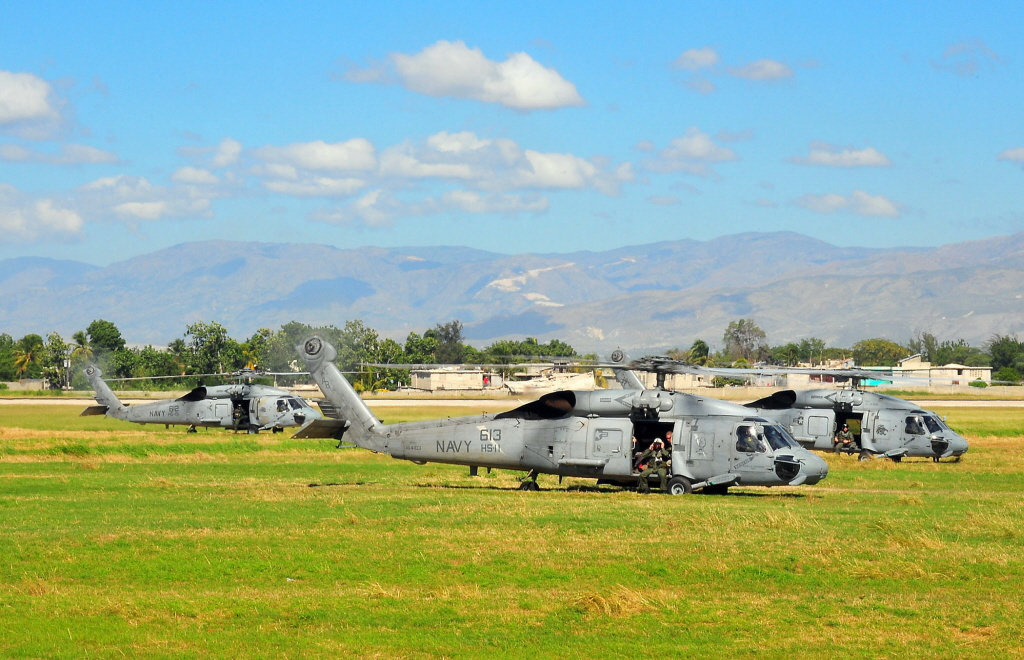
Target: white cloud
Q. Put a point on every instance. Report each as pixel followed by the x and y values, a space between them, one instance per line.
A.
pixel 499 164
pixel 141 210
pixel 195 176
pixel 69 154
pixel 450 68
pixel 663 200
pixel 555 171
pixel 303 169
pixel 28 106
pixel 317 186
pixel 763 69
pixel 692 153
pixel 822 153
pixel 379 207
pixel 25 219
pixel 133 198
pixel 1014 155
pixel 226 153
pixel 858 202
pixel 473 202
pixel 357 154
pixel 695 59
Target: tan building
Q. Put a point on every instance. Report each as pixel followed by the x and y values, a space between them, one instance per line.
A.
pixel 454 379
pixel 948 374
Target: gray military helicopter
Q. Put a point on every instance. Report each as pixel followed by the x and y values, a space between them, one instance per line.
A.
pixel 241 406
pixel 882 425
pixel 595 435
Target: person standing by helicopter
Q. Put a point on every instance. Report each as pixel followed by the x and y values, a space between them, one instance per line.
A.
pixel 656 459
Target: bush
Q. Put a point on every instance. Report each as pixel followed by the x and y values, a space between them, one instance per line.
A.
pixel 978 383
pixel 1009 375
pixel 3 386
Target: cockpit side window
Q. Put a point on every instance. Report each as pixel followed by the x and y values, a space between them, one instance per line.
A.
pixel 914 426
pixel 294 403
pixel 746 440
pixel 932 424
pixel 282 405
pixel 777 438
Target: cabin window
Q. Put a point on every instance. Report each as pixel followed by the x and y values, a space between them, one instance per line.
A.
pixel 817 425
pixel 914 426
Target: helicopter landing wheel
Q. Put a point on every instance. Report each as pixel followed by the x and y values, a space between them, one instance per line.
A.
pixel 935 459
pixel 253 430
pixel 864 456
pixel 191 429
pixel 530 482
pixel 679 485
pixel 896 459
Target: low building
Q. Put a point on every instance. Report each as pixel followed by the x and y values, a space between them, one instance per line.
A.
pixel 453 378
pixel 917 368
pixel 28 384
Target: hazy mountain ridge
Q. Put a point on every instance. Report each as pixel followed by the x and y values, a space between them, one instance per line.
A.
pixel 659 294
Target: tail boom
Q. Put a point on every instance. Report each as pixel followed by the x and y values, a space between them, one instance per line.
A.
pixel 365 429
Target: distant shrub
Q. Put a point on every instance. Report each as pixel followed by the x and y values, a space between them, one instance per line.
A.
pixel 3 386
pixel 978 383
pixel 1009 375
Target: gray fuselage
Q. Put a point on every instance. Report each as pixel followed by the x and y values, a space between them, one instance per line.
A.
pixel 882 424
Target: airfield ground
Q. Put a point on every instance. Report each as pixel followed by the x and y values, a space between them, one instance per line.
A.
pixel 125 541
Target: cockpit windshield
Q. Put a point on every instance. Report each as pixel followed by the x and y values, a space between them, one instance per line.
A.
pixel 933 424
pixel 778 438
pixel 294 403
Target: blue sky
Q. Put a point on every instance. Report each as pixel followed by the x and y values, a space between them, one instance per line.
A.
pixel 513 128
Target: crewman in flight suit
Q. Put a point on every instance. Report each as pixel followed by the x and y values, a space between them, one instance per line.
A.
pixel 655 459
pixel 844 440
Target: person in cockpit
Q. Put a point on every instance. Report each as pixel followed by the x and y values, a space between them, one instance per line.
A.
pixel 746 440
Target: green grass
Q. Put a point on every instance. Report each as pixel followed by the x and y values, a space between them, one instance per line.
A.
pixel 124 541
pixel 974 394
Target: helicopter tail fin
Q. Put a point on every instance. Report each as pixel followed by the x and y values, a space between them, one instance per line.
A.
pixel 319 357
pixel 104 395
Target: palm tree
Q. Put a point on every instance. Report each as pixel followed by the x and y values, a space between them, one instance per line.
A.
pixel 25 356
pixel 81 350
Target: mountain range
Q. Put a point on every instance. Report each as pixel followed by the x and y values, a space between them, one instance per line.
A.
pixel 640 297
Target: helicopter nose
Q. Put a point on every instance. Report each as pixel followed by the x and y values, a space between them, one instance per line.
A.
pixel 814 467
pixel 957 446
pixel 299 418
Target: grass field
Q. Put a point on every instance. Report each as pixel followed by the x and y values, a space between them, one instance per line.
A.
pixel 124 541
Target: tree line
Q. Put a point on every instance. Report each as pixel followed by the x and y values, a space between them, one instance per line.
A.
pixel 744 343
pixel 207 348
